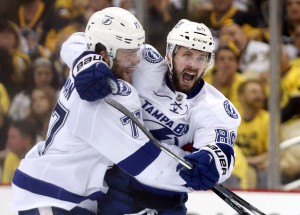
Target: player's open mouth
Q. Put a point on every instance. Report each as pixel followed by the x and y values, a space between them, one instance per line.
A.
pixel 129 70
pixel 188 76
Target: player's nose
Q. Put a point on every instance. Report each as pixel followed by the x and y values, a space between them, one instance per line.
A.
pixel 135 60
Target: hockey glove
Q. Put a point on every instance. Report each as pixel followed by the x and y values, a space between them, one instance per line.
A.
pixel 211 164
pixel 93 77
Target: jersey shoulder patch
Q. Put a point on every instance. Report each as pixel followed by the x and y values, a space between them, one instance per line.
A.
pixel 230 110
pixel 124 88
pixel 152 56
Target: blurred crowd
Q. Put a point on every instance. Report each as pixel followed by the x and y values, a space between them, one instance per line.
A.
pixel 31 71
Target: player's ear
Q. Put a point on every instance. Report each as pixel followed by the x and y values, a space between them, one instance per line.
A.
pixel 168 58
pixel 105 56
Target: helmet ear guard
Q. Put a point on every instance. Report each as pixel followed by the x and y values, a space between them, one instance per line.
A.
pixel 114 28
pixel 191 35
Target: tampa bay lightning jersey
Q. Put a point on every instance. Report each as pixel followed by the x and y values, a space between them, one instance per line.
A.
pixel 203 117
pixel 84 139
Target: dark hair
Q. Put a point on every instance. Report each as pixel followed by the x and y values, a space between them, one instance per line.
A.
pixel 99 47
pixel 6 24
pixel 6 71
pixel 225 47
pixel 243 85
pixel 26 128
pixel 30 85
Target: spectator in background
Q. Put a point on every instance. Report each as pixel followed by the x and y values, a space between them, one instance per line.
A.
pixel 7 71
pixel 4 99
pixel 253 55
pixel 4 124
pixel 290 101
pixel 242 175
pixel 290 93
pixel 36 16
pixel 11 40
pixel 225 76
pixel 96 5
pixel 71 9
pixel 161 19
pixel 60 67
pixel 21 137
pixel 41 75
pixel 42 104
pixel 224 10
pixel 290 114
pixel 289 164
pixel 253 134
pixel 292 17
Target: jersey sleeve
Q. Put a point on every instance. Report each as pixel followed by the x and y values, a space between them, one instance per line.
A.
pixel 216 131
pixel 152 67
pixel 72 48
pixel 218 124
pixel 117 138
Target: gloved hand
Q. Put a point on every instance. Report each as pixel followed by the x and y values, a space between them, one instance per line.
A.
pixel 93 77
pixel 211 164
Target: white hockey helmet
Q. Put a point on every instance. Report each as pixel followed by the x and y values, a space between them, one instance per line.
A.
pixel 191 35
pixel 115 28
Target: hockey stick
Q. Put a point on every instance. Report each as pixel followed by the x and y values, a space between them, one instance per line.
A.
pixel 227 195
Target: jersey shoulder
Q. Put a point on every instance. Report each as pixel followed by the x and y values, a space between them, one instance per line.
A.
pixel 151 70
pixel 219 110
pixel 127 95
pixel 72 48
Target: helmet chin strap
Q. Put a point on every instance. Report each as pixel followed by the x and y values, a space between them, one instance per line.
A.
pixel 170 57
pixel 171 72
pixel 111 62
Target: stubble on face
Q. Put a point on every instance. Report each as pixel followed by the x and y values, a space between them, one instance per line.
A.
pixel 189 67
pixel 185 83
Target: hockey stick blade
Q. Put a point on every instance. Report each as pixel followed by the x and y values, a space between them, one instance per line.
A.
pixel 232 199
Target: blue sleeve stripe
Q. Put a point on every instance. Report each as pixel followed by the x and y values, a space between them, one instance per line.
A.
pixel 138 161
pixel 43 188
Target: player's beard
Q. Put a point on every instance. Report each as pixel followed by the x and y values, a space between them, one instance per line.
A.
pixel 122 72
pixel 178 83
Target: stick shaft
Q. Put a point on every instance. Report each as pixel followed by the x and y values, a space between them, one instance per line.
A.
pixel 124 110
pixel 232 199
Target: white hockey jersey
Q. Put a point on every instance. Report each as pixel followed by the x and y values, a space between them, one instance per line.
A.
pixel 84 139
pixel 204 117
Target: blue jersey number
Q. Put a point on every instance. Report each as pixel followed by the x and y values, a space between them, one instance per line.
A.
pixel 125 120
pixel 60 114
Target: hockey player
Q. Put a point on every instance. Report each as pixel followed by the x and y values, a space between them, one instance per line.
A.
pixel 178 107
pixel 64 174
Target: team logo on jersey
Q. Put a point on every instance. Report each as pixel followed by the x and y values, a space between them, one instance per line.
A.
pixel 230 110
pixel 152 56
pixel 124 88
pixel 160 124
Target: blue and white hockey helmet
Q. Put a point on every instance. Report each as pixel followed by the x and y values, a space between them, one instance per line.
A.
pixel 115 28
pixel 192 35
